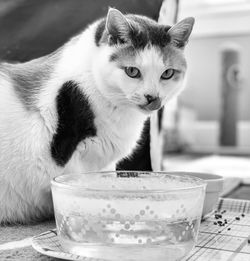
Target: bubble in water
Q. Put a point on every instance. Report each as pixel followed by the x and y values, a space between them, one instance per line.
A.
pixel 137 217
pixel 117 216
pixel 132 222
pixel 142 212
pixel 127 226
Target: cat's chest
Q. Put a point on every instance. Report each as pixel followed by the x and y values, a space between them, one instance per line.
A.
pixel 116 137
pixel 122 131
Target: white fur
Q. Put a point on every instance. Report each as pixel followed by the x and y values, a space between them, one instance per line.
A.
pixel 26 166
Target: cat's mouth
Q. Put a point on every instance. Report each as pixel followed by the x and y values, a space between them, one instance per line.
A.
pixel 152 106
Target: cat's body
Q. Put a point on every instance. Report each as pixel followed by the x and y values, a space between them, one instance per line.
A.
pixel 70 112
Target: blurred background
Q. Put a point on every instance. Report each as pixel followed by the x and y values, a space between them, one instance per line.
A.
pixel 207 128
pixel 214 110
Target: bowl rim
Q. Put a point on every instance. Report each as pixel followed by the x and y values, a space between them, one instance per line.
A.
pixel 200 182
pixel 215 182
pixel 206 176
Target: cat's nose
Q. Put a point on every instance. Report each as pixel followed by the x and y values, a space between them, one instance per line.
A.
pixel 150 98
pixel 154 102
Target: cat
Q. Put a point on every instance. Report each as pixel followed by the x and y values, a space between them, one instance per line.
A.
pixel 82 108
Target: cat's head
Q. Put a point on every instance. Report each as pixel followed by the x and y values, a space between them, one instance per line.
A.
pixel 139 62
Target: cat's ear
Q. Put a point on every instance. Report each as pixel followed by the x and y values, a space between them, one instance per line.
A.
pixel 117 26
pixel 181 31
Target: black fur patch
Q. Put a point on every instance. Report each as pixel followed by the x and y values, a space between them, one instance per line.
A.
pixel 75 122
pixel 140 158
pixel 148 32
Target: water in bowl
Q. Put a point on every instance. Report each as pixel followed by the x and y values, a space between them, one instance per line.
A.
pixel 122 220
pixel 127 239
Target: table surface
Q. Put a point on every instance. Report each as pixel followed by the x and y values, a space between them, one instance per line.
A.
pixel 15 241
pixel 224 235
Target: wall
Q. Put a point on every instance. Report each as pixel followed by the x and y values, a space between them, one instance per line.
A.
pixel 203 91
pixel 217 23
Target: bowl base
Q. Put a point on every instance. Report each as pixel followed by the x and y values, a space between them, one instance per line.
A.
pixel 129 253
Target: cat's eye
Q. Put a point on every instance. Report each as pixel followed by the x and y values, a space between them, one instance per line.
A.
pixel 168 74
pixel 132 72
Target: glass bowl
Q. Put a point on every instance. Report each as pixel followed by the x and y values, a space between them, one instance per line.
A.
pixel 128 215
